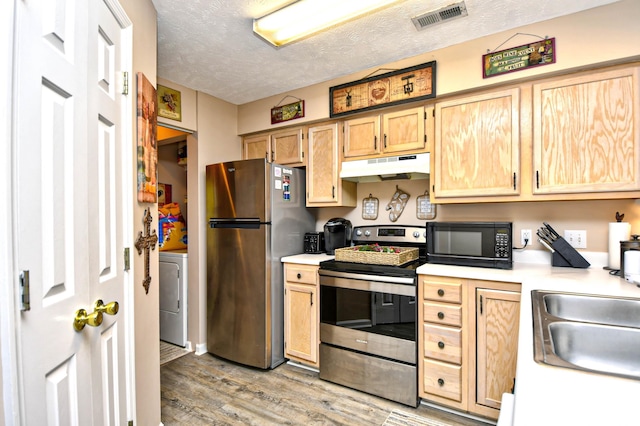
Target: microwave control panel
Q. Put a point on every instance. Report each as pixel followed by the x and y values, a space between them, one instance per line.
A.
pixel 503 245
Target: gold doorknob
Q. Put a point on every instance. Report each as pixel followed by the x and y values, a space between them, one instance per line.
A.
pixel 94 319
pixel 110 308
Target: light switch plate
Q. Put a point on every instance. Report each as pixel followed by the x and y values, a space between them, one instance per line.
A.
pixel 577 239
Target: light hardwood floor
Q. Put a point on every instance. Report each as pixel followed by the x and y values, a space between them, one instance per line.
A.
pixel 205 390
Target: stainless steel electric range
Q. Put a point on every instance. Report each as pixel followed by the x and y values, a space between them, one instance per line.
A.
pixel 368 318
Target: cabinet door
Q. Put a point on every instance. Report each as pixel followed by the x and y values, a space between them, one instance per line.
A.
pixel 362 136
pixel 586 132
pixel 287 147
pixel 497 322
pixel 477 146
pixel 324 187
pixel 404 131
pixel 301 339
pixel 256 146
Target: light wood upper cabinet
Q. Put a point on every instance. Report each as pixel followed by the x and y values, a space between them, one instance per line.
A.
pixel 256 146
pixel 287 147
pixel 477 146
pixel 324 186
pixel 404 131
pixel 283 147
pixel 361 136
pixel 586 133
pixel 390 133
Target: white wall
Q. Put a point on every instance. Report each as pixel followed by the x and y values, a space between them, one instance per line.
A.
pixel 146 306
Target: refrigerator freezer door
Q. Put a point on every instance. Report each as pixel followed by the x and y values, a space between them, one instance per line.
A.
pixel 238 189
pixel 238 296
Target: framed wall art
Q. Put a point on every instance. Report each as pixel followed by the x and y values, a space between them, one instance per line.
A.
pixel 396 87
pixel 169 103
pixel 147 149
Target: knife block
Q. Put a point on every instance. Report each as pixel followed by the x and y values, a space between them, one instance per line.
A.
pixel 566 255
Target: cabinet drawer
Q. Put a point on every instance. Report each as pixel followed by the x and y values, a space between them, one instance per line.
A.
pixel 443 291
pixel 301 274
pixel 442 379
pixel 443 343
pixel 443 313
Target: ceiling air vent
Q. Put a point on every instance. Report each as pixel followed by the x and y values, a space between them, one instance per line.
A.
pixel 456 10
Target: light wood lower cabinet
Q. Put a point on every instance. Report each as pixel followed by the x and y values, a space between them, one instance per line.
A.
pixel 301 313
pixel 467 342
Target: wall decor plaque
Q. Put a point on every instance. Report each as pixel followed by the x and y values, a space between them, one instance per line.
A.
pixel 169 103
pixel 519 58
pixel 396 87
pixel 287 112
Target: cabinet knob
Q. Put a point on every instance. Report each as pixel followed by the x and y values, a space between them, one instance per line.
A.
pixel 299 275
pixel 440 292
pixel 441 345
pixel 441 315
pixel 441 382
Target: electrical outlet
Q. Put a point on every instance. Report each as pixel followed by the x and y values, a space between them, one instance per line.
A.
pixel 577 239
pixel 525 234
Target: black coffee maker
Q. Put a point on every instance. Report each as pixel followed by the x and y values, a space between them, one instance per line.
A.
pixel 337 234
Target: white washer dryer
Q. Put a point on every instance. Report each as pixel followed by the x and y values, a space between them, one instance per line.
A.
pixel 173 297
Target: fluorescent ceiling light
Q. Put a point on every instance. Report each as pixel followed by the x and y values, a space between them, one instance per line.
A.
pixel 305 17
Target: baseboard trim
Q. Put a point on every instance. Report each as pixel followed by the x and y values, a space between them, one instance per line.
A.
pixel 201 348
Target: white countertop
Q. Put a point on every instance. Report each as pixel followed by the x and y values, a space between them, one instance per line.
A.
pixel 307 259
pixel 548 395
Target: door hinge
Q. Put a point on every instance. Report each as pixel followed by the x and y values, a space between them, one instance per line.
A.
pixel 25 303
pixel 480 304
pixel 127 259
pixel 125 83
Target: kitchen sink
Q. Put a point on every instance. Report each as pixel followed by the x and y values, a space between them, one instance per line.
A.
pixel 586 332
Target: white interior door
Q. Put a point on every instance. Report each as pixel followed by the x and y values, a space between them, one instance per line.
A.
pixel 70 210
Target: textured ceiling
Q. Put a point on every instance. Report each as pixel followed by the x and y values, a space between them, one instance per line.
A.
pixel 209 45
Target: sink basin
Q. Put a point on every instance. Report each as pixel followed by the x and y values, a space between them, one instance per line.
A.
pixel 597 347
pixel 585 332
pixel 594 309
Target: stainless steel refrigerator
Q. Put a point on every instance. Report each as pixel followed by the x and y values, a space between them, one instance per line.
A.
pixel 257 214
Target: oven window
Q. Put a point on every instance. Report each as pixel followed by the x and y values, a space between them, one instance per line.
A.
pixel 379 313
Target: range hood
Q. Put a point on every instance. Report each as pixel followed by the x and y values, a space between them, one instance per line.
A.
pixel 415 166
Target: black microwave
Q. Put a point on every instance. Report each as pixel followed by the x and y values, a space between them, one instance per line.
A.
pixel 484 244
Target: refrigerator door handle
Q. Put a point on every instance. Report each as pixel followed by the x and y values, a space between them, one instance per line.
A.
pixel 242 223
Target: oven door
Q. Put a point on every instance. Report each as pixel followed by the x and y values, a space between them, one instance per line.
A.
pixel 362 313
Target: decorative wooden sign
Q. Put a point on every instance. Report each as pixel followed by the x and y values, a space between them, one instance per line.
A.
pixel 519 58
pixel 287 112
pixel 396 87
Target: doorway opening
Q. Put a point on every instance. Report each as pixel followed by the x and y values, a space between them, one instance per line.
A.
pixel 173 237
